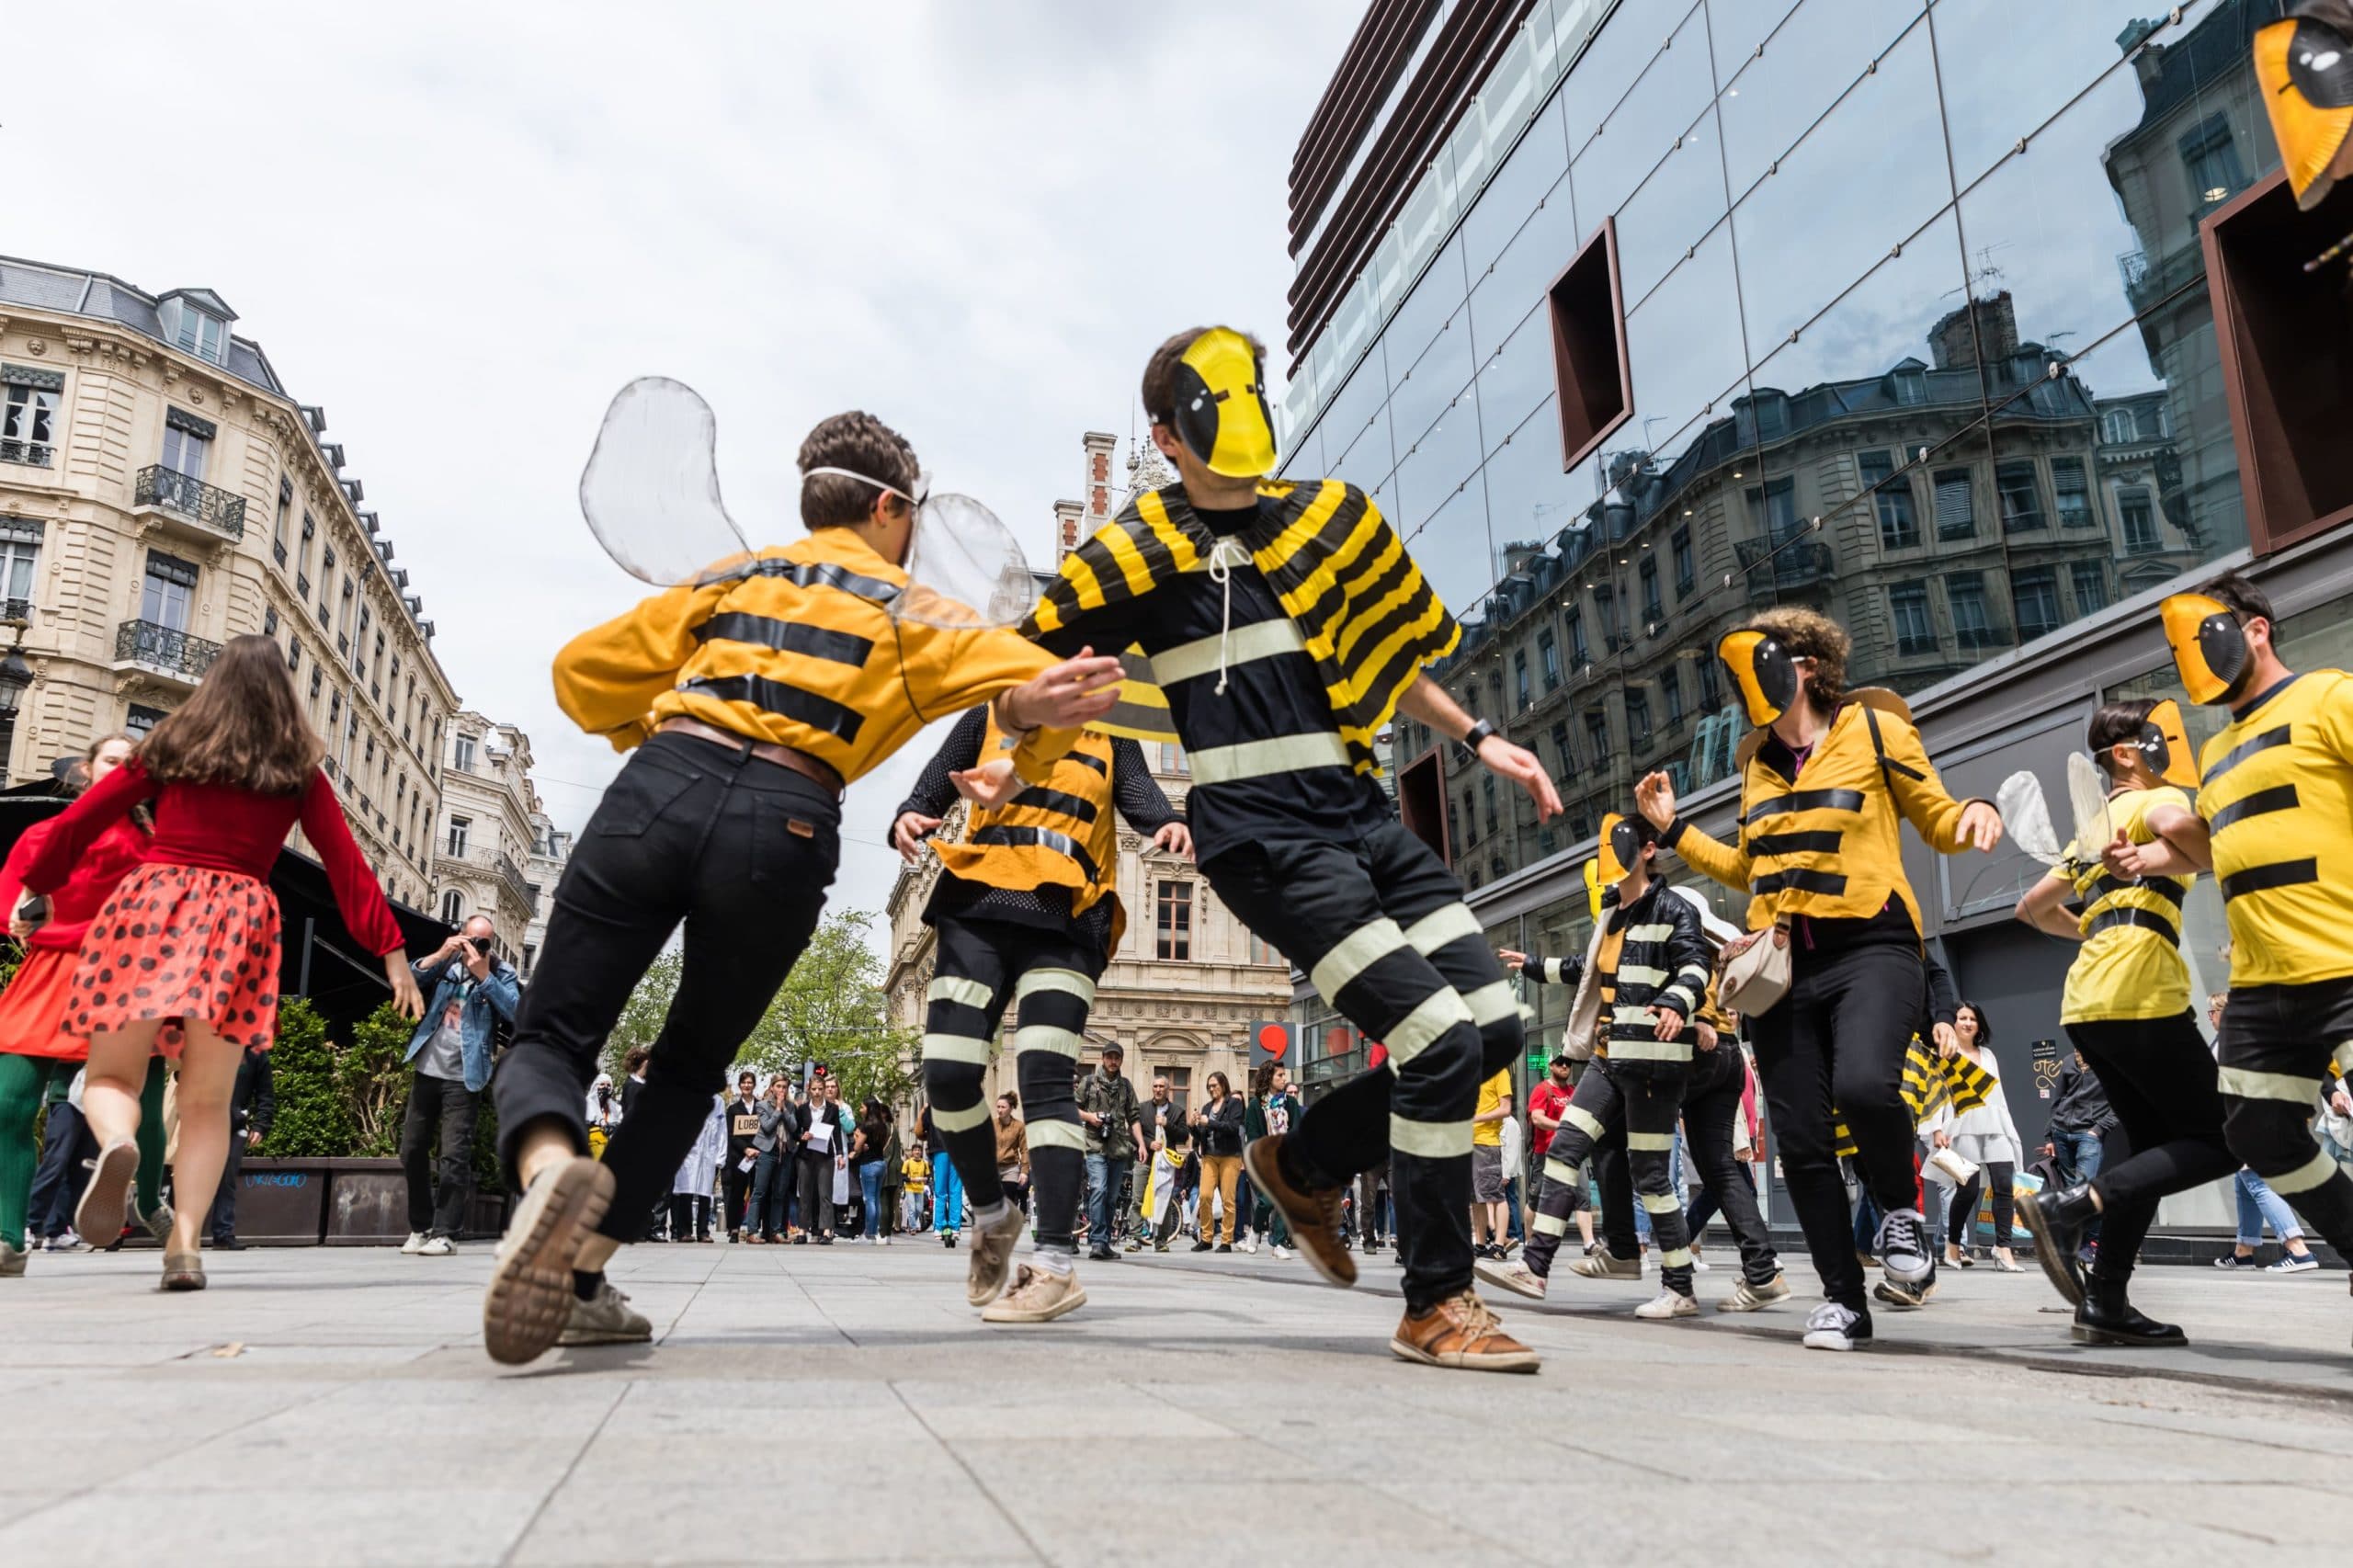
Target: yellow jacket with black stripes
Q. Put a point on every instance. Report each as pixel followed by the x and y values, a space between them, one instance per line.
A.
pixel 2277 800
pixel 1828 846
pixel 795 646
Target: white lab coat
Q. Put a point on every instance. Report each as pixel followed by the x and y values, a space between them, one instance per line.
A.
pixel 700 1172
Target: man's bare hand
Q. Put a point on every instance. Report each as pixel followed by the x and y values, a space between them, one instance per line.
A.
pixel 1519 764
pixel 1655 798
pixel 909 831
pixel 1074 692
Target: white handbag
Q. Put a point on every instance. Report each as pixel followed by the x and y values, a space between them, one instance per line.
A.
pixel 1951 1166
pixel 1757 977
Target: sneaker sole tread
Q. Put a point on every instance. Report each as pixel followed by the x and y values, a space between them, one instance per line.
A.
pixel 1340 1267
pixel 106 1198
pixel 1521 1361
pixel 531 1295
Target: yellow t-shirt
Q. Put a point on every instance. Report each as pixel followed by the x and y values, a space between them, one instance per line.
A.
pixel 1494 1092
pixel 2130 965
pixel 2279 800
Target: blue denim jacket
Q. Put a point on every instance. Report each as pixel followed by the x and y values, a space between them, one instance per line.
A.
pixel 448 983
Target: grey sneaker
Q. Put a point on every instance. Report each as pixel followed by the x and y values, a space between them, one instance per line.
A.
pixel 1747 1297
pixel 530 1299
pixel 158 1220
pixel 12 1261
pixel 606 1318
pixel 993 1257
pixel 1509 1275
pixel 1603 1264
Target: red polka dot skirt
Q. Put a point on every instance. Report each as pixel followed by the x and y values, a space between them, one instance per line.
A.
pixel 176 943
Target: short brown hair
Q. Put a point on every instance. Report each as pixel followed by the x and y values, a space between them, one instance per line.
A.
pixel 1810 634
pixel 2114 725
pixel 245 726
pixel 2242 598
pixel 1160 372
pixel 637 1057
pixel 862 444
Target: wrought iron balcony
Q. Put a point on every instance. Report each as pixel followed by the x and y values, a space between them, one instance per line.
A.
pixel 209 506
pixel 512 875
pixel 1793 565
pixel 34 454
pixel 163 649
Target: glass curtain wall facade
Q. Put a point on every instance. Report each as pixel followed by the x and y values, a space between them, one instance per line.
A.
pixel 1919 336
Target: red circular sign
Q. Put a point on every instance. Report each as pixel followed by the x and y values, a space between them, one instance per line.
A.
pixel 1274 1040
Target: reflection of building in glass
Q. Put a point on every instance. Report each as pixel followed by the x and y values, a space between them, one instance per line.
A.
pixel 1878 500
pixel 1917 331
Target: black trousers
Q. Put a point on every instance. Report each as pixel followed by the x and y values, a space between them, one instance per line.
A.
pixel 1594 1116
pixel 735 1183
pixel 1709 1108
pixel 1832 1050
pixel 689 1216
pixel 1380 925
pixel 2277 1043
pixel 223 1221
pixel 814 1173
pixel 738 849
pixel 1047 978
pixel 437 1188
pixel 1996 1179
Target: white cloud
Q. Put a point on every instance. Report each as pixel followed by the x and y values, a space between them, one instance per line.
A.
pixel 460 229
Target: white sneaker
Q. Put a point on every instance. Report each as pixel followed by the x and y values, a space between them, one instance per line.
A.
pixel 1247 1244
pixel 414 1244
pixel 886 1241
pixel 1747 1297
pixel 435 1247
pixel 1669 1304
pixel 1699 1264
pixel 1283 1252
pixel 1833 1327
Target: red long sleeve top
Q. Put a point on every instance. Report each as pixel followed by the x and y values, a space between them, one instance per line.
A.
pixel 224 827
pixel 74 905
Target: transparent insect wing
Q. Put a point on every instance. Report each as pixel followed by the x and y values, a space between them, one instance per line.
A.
pixel 2027 815
pixel 2087 798
pixel 651 490
pixel 965 568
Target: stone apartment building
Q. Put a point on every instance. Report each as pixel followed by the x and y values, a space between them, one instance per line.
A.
pixel 490 829
pixel 160 491
pixel 1187 976
pixel 551 851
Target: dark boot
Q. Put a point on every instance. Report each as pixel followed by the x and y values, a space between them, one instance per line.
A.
pixel 2057 1221
pixel 2107 1318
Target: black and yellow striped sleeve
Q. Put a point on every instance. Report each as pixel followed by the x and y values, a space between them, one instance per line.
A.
pixel 1095 598
pixel 1708 855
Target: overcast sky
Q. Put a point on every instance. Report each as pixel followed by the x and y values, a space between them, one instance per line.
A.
pixel 460 229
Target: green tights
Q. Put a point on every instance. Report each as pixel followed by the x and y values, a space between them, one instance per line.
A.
pixel 23 1081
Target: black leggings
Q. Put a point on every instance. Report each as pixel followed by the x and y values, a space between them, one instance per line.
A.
pixel 1960 1223
pixel 1709 1106
pixel 738 849
pixel 1048 980
pixel 689 1216
pixel 2163 1083
pixel 1831 1050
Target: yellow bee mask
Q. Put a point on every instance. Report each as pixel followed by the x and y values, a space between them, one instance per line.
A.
pixel 1763 673
pixel 2306 64
pixel 2208 648
pixel 1620 846
pixel 1222 413
pixel 2165 741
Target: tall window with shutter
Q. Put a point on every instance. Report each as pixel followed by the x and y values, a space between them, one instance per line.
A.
pixel 1956 517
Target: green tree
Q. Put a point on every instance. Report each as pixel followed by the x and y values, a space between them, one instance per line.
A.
pixel 642 1015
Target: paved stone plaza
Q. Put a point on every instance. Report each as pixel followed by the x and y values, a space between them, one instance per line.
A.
pixel 812 1404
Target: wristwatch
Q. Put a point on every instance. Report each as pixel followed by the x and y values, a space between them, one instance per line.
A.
pixel 1478 737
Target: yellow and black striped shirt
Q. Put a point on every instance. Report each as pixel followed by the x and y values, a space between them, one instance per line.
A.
pixel 1305 609
pixel 796 646
pixel 1827 844
pixel 2278 798
pixel 2130 964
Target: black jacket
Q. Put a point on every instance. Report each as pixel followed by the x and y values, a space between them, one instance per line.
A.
pixel 739 1141
pixel 253 1104
pixel 1662 962
pixel 2082 1105
pixel 1221 1128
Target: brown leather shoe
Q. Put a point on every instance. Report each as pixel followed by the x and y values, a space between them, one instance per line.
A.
pixel 1313 1217
pixel 1460 1332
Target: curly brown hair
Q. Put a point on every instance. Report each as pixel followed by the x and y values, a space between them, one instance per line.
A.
pixel 1810 634
pixel 245 726
pixel 862 444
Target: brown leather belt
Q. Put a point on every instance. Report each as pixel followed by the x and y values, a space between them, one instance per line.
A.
pixel 815 769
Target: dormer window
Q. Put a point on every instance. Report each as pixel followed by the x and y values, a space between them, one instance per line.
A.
pixel 197 322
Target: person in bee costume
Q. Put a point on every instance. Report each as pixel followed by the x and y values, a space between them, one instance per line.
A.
pixel 1285 623
pixel 1642 1012
pixel 2276 799
pixel 2127 1009
pixel 1826 779
pixel 747 701
pixel 2304 62
pixel 1027 910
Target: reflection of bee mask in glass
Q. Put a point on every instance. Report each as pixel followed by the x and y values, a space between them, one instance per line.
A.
pixel 1222 413
pixel 2165 741
pixel 1763 673
pixel 1621 845
pixel 2208 648
pixel 2306 64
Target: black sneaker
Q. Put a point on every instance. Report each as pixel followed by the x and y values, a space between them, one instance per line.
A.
pixel 1101 1255
pixel 1903 1247
pixel 1203 1247
pixel 1226 1246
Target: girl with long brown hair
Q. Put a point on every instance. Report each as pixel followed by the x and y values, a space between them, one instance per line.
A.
pixel 184 957
pixel 35 1048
